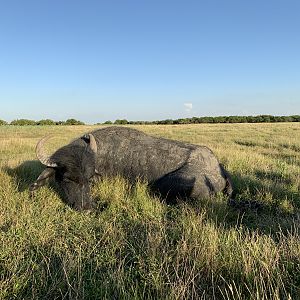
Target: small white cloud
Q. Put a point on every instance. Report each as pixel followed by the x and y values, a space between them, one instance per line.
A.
pixel 188 106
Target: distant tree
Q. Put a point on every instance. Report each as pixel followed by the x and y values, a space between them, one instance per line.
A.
pixel 166 122
pixel 234 119
pixel 2 122
pixel 182 121
pixel 194 120
pixel 296 118
pixel 281 119
pixel 73 122
pixel 206 120
pixel 288 118
pixel 266 118
pixel 250 119
pixel 46 122
pixel 138 122
pixel 107 122
pixel 22 122
pixel 121 122
pixel 60 123
pixel 220 119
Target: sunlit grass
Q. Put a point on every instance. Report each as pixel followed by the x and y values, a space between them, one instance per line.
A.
pixel 134 246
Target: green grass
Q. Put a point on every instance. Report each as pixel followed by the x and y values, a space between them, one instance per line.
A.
pixel 136 247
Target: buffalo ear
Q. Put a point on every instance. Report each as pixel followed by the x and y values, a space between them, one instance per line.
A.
pixel 42 179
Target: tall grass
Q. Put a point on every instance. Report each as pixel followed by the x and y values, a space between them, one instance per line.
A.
pixel 134 246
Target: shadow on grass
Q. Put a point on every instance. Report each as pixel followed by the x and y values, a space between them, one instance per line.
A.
pixel 272 183
pixel 27 172
pixel 272 175
pixel 287 158
pixel 246 143
pixel 269 216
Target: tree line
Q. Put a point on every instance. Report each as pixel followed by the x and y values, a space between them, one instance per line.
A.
pixel 220 119
pixel 193 120
pixel 26 122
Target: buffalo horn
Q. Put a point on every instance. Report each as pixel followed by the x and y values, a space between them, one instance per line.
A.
pixel 93 143
pixel 43 158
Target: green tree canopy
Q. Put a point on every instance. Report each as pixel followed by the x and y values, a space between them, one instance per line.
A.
pixel 73 122
pixel 22 122
pixel 121 122
pixel 46 122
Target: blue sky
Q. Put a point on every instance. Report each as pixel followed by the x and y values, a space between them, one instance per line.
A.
pixel 148 60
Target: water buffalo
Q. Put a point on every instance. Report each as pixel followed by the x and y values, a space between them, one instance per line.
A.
pixel 173 169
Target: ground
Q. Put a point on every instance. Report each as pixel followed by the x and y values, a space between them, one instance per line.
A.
pixel 134 246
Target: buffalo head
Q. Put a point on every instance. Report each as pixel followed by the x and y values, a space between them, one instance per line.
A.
pixel 72 166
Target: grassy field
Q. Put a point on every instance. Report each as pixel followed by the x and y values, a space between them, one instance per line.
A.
pixel 135 246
